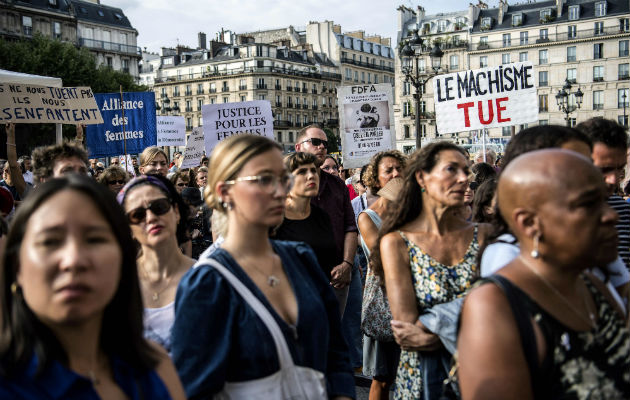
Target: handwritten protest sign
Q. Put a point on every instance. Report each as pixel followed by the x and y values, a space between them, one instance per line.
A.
pixel 194 149
pixel 171 131
pixel 107 139
pixel 366 122
pixel 34 104
pixel 485 98
pixel 127 164
pixel 221 121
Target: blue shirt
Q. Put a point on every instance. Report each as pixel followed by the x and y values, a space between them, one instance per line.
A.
pixel 218 338
pixel 59 382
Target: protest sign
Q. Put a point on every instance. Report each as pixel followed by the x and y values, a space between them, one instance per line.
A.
pixel 367 119
pixel 221 121
pixel 34 104
pixel 485 98
pixel 171 131
pixel 107 139
pixel 127 164
pixel 194 149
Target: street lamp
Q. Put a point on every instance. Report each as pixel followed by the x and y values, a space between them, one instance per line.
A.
pixel 565 102
pixel 625 104
pixel 410 52
pixel 166 107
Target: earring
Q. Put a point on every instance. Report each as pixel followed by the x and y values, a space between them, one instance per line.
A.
pixel 14 288
pixel 535 253
pixel 423 190
pixel 227 206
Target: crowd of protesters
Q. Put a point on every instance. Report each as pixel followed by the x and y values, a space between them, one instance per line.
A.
pixel 263 275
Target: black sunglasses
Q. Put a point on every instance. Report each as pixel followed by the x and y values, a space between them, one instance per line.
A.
pixel 157 207
pixel 317 142
pixel 473 185
pixel 120 182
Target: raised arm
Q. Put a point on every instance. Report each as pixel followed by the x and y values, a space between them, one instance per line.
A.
pixel 14 169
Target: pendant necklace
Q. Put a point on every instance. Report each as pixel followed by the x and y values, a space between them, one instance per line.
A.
pixel 272 280
pixel 155 295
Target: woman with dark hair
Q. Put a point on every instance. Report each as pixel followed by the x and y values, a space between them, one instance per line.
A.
pixel 426 252
pixel 157 215
pixel 484 202
pixel 181 180
pixel 330 166
pixel 71 304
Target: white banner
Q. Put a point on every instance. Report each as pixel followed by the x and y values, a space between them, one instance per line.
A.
pixel 171 131
pixel 194 149
pixel 221 121
pixel 367 122
pixel 485 98
pixel 34 104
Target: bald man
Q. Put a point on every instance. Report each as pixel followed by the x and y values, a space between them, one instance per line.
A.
pixel 555 203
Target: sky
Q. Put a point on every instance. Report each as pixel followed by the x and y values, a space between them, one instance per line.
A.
pixel 165 23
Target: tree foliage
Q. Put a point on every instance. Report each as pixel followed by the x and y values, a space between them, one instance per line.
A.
pixel 333 140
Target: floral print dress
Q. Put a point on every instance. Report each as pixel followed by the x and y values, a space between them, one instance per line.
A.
pixel 434 283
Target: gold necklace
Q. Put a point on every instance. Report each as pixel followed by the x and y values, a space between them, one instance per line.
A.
pixel 155 296
pixel 591 316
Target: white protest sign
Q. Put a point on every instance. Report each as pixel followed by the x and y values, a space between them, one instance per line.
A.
pixel 171 131
pixel 127 164
pixel 194 149
pixel 34 104
pixel 367 119
pixel 485 98
pixel 221 121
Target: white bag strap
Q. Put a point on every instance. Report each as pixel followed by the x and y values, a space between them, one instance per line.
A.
pixel 284 356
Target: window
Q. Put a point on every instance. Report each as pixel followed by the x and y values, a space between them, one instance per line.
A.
pixel 542 57
pixel 599 28
pixel 598 73
pixel 189 124
pixel 483 61
pixel 125 65
pixel 226 99
pixel 598 100
pixel 572 75
pixel 543 34
pixel 623 71
pixel 486 23
pixel 522 56
pixel 545 14
pixel 624 24
pixel 291 137
pixel 572 31
pixel 505 58
pixel 406 134
pixel 574 13
pixel 600 9
pixel 27 25
pixel 623 120
pixel 524 38
pixel 517 19
pixel 406 88
pixel 543 122
pixel 598 50
pixel 572 122
pixel 348 74
pixel 100 13
pixel 421 66
pixel 570 53
pixel 506 131
pixel 542 78
pixel 623 48
pixel 356 76
pixel 441 25
pixel 507 39
pixel 454 62
pixel 56 30
pixel 406 109
pixel 483 41
pixel 213 100
pixel 279 137
pixel 362 76
pixel 543 104
pixel 110 63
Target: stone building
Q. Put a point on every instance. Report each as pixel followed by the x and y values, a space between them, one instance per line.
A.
pixel 52 18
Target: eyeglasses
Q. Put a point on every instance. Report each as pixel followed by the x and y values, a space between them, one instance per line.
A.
pixel 473 185
pixel 182 184
pixel 117 182
pixel 157 207
pixel 267 182
pixel 316 142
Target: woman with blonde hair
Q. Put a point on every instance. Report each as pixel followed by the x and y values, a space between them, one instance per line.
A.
pixel 153 160
pixel 255 286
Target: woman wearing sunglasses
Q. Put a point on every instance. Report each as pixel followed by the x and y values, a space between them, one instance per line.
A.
pixel 114 178
pixel 220 343
pixel 157 216
pixel 181 180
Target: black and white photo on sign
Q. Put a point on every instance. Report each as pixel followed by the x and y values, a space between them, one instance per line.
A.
pixel 366 114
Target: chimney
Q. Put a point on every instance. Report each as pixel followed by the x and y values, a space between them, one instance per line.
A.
pixel 559 4
pixel 503 8
pixel 202 40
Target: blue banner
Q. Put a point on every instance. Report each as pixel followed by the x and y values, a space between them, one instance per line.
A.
pixel 106 139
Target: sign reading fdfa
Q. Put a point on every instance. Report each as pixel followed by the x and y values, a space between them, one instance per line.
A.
pixel 107 139
pixel 366 122
pixel 485 98
pixel 221 121
pixel 34 104
pixel 171 131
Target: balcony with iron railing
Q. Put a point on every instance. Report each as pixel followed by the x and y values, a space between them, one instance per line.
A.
pixel 304 90
pixel 242 87
pixel 188 93
pixel 225 89
pixel 261 86
pixel 110 46
pixel 346 60
pixel 278 87
pixel 189 109
pixel 279 123
pixel 278 104
pixel 199 91
pixel 253 70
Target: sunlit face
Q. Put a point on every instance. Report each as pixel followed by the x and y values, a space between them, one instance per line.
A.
pixel 180 185
pixel 70 260
pixel 158 165
pixel 611 162
pixel 330 167
pixel 154 230
pixel 201 178
pixel 115 161
pixel 388 168
pixel 307 146
pixel 306 181
pixel 115 183
pixel 447 182
pixel 72 165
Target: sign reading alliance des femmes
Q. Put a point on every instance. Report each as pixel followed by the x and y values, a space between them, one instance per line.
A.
pixel 485 98
pixel 34 104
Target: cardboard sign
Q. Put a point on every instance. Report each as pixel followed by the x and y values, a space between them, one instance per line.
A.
pixel 221 121
pixel 367 122
pixel 485 98
pixel 107 139
pixel 34 104
pixel 171 131
pixel 194 149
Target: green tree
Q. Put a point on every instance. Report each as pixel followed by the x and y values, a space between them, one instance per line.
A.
pixel 333 141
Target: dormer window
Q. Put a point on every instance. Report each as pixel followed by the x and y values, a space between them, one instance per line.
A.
pixel 101 13
pixel 517 19
pixel 574 13
pixel 600 9
pixel 442 25
pixel 486 23
pixel 118 16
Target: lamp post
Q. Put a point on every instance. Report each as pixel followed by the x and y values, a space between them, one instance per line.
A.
pixel 412 51
pixel 563 98
pixel 625 104
pixel 166 108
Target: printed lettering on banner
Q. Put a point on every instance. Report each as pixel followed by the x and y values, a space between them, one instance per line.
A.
pixel 194 149
pixel 34 104
pixel 171 131
pixel 485 98
pixel 367 122
pixel 224 120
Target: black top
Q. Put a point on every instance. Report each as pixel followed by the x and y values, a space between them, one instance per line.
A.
pixel 316 231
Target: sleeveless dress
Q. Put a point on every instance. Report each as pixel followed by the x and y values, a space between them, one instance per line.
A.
pixel 434 283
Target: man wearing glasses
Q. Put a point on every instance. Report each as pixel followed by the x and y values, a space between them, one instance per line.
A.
pixel 334 198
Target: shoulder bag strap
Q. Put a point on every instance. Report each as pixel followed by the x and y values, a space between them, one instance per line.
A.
pixel 284 356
